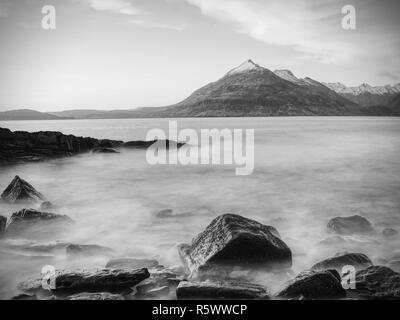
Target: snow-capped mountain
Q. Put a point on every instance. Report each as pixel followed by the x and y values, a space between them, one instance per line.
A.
pixel 246 66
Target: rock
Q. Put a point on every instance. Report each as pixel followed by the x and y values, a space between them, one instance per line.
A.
pixel 130 263
pixel 390 233
pixel 20 191
pixel 46 205
pixel 314 285
pixel 220 290
pixel 231 240
pixel 350 225
pixel 358 260
pixel 104 150
pixel 22 245
pixel 394 265
pixel 157 284
pixel 347 242
pixel 77 250
pixel 24 296
pixel 27 220
pixel 165 213
pixel 3 223
pixel 158 292
pixel 24 146
pixel 378 282
pixel 96 296
pixel 165 144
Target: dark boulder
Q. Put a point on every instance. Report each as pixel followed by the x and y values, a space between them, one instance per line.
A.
pixel 78 250
pixel 350 225
pixel 390 233
pixel 96 296
pixel 21 191
pixel 378 282
pixel 131 263
pixel 30 220
pixel 104 150
pixel 314 285
pixel 220 290
pixel 358 260
pixel 3 223
pixel 231 240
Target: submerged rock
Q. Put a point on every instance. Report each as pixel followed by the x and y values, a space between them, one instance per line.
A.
pixel 46 205
pixel 131 263
pixel 96 296
pixel 314 285
pixel 220 290
pixel 27 220
pixel 231 240
pixel 74 250
pixel 378 282
pixel 3 223
pixel 104 150
pixel 358 260
pixel 390 233
pixel 21 191
pixel 350 225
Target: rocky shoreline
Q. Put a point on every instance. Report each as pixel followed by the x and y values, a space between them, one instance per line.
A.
pixel 222 262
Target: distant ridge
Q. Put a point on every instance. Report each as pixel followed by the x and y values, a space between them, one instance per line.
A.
pixel 28 114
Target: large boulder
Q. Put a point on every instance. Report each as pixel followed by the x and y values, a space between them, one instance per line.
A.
pixel 358 260
pixel 220 290
pixel 378 282
pixel 3 223
pixel 350 225
pixel 231 240
pixel 31 220
pixel 20 190
pixel 314 285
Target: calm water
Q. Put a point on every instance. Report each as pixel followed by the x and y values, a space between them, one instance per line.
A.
pixel 307 170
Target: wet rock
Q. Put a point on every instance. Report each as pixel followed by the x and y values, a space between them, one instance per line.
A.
pixel 3 223
pixel 30 220
pixel 161 284
pixel 131 263
pixel 394 265
pixel 314 285
pixel 350 225
pixel 46 205
pixel 358 260
pixel 96 296
pixel 390 233
pixel 166 213
pixel 20 191
pixel 220 290
pixel 104 150
pixel 378 282
pixel 77 250
pixel 231 240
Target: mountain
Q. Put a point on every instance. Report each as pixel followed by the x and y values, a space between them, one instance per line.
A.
pixel 27 114
pixel 251 90
pixel 366 95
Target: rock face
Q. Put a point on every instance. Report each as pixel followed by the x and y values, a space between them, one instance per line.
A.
pixel 378 282
pixel 350 225
pixel 77 250
pixel 21 146
pixel 28 219
pixel 390 233
pixel 20 190
pixel 231 240
pixel 208 290
pixel 315 285
pixel 3 222
pixel 96 296
pixel 358 260
pixel 130 263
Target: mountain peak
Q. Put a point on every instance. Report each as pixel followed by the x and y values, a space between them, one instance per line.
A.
pixel 246 66
pixel 287 75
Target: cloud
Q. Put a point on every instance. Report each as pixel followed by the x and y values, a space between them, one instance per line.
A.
pixel 155 25
pixel 390 75
pixel 115 6
pixel 296 23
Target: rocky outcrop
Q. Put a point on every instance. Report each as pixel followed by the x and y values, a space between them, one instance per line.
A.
pixel 130 263
pixel 350 225
pixel 78 250
pixel 21 191
pixel 3 222
pixel 378 282
pixel 358 260
pixel 21 146
pixel 96 296
pixel 27 220
pixel 220 290
pixel 314 285
pixel 230 241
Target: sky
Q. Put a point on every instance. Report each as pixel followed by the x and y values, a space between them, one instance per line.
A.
pixel 123 54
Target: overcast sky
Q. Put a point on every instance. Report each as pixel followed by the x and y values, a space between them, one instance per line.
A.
pixel 110 54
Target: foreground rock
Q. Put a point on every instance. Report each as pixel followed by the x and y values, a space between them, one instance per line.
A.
pixel 96 296
pixel 358 260
pixel 21 191
pixel 24 146
pixel 314 285
pixel 36 222
pixel 350 225
pixel 220 290
pixel 130 263
pixel 78 250
pixel 378 282
pixel 3 222
pixel 231 240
